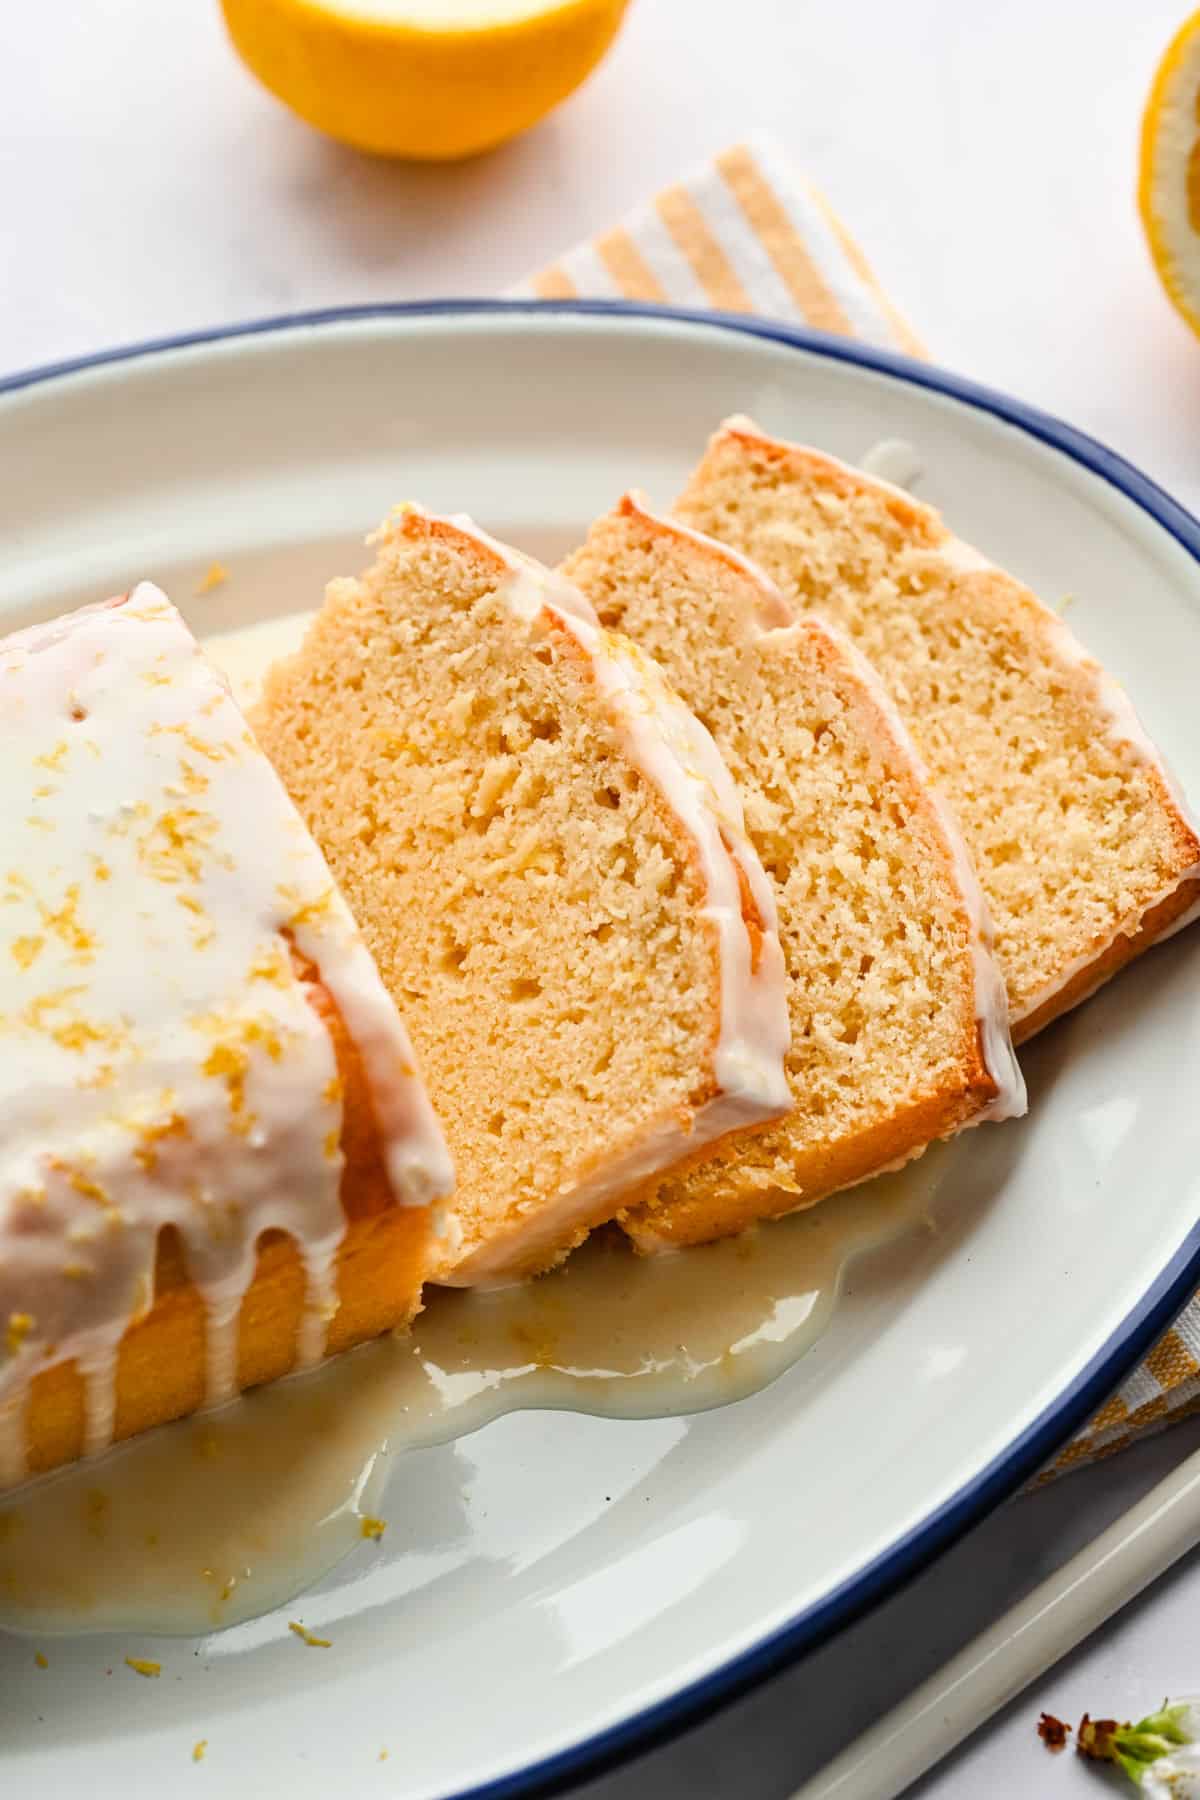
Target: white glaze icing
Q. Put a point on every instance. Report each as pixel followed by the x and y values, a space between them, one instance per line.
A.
pixel 895 461
pixel 678 757
pixel 160 1062
pixel 245 653
pixel 1124 726
pixel 965 559
pixel 991 999
pixel 991 994
pixel 258 1501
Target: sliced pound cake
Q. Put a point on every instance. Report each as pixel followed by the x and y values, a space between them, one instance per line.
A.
pixel 216 1155
pixel 547 857
pixel 1083 845
pixel 898 1012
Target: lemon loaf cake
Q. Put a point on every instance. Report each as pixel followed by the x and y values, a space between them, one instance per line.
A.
pixel 547 857
pixel 217 1161
pixel 1083 845
pixel 898 1012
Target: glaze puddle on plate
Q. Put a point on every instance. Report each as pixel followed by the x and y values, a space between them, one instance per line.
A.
pixel 223 1517
pixel 246 654
pixel 219 1518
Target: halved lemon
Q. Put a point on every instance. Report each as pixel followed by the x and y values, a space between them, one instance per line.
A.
pixel 1169 188
pixel 427 79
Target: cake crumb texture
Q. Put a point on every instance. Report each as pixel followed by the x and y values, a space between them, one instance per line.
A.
pixel 879 940
pixel 533 903
pixel 1084 851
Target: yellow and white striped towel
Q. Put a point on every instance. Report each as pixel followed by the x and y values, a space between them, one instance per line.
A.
pixel 747 233
pixel 744 233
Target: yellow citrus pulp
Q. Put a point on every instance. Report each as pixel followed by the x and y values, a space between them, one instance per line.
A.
pixel 1169 189
pixel 426 79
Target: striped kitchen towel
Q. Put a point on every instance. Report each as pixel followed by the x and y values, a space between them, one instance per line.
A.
pixel 744 233
pixel 747 233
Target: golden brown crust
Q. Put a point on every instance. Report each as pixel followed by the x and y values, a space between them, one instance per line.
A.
pixel 161 1361
pixel 1157 921
pixel 837 476
pixel 418 526
pixel 1154 923
pixel 820 1171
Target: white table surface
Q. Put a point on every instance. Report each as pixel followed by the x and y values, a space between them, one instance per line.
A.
pixel 985 156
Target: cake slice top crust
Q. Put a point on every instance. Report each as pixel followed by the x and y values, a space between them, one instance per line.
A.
pixel 1084 847
pixel 164 1067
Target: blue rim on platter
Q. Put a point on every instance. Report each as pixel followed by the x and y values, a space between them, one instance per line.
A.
pixel 1159 1305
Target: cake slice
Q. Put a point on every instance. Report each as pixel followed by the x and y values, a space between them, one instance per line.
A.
pixel 548 860
pixel 898 1014
pixel 217 1161
pixel 1084 847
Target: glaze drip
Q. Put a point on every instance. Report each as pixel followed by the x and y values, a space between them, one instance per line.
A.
pixel 161 1065
pixel 677 756
pixel 776 620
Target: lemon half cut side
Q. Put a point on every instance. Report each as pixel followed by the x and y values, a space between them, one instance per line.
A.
pixel 1169 187
pixel 431 80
